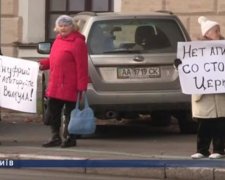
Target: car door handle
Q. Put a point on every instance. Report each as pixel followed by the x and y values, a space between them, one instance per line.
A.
pixel 139 58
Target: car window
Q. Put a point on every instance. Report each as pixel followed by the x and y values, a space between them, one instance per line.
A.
pixel 142 35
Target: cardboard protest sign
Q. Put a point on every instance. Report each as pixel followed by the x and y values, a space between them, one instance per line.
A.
pixel 203 66
pixel 18 84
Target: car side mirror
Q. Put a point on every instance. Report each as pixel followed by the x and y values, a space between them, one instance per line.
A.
pixel 44 47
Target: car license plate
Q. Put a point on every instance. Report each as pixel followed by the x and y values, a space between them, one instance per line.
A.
pixel 138 72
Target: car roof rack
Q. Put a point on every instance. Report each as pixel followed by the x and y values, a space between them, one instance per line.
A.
pixel 165 11
pixel 90 13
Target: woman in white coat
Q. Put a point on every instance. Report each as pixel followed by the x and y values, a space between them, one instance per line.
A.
pixel 209 109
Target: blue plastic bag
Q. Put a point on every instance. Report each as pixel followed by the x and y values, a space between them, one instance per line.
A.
pixel 82 121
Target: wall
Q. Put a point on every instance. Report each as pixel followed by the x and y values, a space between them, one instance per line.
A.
pixel 22 26
pixel 10 26
pixel 22 21
pixel 187 11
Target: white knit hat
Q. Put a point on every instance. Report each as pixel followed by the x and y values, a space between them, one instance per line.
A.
pixel 206 24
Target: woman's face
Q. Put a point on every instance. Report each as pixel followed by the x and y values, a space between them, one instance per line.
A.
pixel 65 29
pixel 214 33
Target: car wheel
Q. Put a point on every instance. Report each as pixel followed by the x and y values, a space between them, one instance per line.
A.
pixel 160 118
pixel 186 123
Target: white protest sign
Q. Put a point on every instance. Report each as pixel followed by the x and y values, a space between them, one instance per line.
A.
pixel 18 84
pixel 203 66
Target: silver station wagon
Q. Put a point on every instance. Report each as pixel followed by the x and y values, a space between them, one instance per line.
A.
pixel 131 69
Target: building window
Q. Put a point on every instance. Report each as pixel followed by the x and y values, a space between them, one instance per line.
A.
pixel 54 8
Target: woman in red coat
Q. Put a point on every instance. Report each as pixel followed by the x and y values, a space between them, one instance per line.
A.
pixel 68 64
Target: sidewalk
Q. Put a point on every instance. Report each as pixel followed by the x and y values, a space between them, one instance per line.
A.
pixel 22 134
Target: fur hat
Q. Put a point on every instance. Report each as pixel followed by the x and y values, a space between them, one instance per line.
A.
pixel 206 24
pixel 64 19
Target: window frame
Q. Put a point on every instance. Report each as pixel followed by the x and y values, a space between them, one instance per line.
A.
pixel 88 7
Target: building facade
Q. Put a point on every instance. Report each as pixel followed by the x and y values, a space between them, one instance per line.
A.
pixel 24 22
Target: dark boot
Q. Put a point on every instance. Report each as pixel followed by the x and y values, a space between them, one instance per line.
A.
pixel 55 141
pixel 69 142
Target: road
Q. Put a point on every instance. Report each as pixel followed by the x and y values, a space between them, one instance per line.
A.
pixel 22 137
pixel 140 139
pixel 129 140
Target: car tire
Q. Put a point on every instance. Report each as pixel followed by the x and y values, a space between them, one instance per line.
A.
pixel 161 118
pixel 185 122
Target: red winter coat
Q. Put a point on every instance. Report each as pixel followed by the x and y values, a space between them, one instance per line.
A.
pixel 68 64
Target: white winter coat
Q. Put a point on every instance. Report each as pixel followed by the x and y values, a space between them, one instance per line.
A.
pixel 208 105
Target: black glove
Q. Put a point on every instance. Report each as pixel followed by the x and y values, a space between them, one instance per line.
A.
pixel 177 62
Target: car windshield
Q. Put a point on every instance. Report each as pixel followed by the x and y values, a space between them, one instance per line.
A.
pixel 133 36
